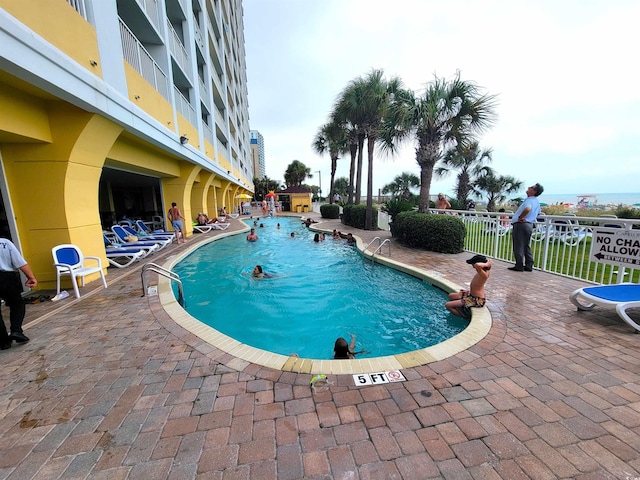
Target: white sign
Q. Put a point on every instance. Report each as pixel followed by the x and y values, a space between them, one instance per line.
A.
pixel 616 246
pixel 391 376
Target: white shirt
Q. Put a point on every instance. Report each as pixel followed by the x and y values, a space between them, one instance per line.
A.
pixel 10 258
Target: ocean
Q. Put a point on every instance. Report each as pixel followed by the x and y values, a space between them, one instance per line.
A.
pixel 630 199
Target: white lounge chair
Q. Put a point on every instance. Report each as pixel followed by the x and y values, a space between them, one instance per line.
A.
pixel 622 295
pixel 68 260
pixel 202 228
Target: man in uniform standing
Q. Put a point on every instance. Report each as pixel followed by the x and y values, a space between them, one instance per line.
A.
pixel 11 291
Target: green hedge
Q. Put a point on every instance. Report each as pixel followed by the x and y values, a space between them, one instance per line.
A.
pixel 328 210
pixel 354 215
pixel 438 233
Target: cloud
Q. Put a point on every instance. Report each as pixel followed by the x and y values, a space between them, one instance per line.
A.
pixel 564 72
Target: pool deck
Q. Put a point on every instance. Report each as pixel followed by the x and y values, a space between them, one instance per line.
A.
pixel 111 387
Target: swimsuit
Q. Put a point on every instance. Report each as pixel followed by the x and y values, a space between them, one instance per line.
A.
pixel 469 301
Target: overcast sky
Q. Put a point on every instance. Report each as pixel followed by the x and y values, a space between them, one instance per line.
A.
pixel 566 74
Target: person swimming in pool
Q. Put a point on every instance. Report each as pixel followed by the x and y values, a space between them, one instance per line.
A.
pixel 252 237
pixel 345 351
pixel 258 272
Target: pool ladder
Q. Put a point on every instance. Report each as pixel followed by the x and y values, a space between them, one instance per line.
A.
pixel 381 244
pixel 165 273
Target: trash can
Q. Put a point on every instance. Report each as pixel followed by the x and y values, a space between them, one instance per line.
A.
pixel 299 208
pixel 306 208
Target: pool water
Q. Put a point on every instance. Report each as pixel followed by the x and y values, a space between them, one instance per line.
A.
pixel 318 292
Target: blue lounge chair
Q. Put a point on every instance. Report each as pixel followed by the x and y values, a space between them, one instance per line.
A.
pixel 144 229
pixel 122 255
pixel 622 295
pixel 144 237
pixel 122 234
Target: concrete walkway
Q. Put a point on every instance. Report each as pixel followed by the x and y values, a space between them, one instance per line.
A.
pixel 110 387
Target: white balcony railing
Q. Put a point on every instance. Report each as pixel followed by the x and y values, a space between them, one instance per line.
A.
pixel 184 107
pixel 178 51
pixel 198 34
pixel 561 244
pixel 150 7
pixel 139 58
pixel 79 7
pixel 208 133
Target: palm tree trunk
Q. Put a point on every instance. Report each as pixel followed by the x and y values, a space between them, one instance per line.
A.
pixel 368 213
pixel 359 171
pixel 352 171
pixel 334 166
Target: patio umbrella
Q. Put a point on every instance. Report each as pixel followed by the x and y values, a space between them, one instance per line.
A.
pixel 243 196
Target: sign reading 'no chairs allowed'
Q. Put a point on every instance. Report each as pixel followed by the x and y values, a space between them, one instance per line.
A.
pixel 616 246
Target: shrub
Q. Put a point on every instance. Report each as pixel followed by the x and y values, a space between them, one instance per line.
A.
pixel 330 210
pixel 394 207
pixel 354 215
pixel 438 233
pixel 457 204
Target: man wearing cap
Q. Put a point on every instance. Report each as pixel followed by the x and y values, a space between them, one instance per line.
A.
pixel 522 223
pixel 11 291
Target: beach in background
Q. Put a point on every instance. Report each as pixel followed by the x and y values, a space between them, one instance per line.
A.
pixel 629 199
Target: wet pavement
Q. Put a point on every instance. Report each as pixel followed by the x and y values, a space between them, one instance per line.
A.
pixel 111 387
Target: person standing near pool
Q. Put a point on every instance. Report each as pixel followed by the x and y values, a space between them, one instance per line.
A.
pixel 522 225
pixel 252 237
pixel 175 217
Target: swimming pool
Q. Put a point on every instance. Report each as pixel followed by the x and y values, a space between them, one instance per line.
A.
pixel 319 292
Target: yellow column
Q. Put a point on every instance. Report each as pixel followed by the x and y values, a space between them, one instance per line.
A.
pixel 178 190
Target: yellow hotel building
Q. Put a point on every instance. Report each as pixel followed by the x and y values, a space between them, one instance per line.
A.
pixel 117 107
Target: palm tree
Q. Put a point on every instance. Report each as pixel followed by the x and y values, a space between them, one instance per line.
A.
pixel 447 113
pixel 364 103
pixel 497 188
pixel 331 137
pixel 402 185
pixel 296 173
pixel 470 162
pixel 264 185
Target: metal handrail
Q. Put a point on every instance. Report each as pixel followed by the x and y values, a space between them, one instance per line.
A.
pixel 381 243
pixel 165 273
pixel 385 242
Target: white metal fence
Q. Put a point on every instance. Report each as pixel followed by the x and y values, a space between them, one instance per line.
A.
pixel 561 244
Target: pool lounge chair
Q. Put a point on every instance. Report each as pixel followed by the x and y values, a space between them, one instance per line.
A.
pixel 122 234
pixel 144 237
pixel 122 255
pixel 144 229
pixel 202 228
pixel 622 295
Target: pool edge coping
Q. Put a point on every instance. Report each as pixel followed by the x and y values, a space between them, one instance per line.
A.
pixel 477 329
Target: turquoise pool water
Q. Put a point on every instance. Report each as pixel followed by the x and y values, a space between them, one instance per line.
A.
pixel 319 292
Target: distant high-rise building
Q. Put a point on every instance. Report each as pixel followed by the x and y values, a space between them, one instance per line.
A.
pixel 257 153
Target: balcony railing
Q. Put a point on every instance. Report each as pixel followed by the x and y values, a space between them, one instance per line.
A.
pixel 137 56
pixel 198 34
pixel 79 7
pixel 150 7
pixel 184 107
pixel 178 51
pixel 560 244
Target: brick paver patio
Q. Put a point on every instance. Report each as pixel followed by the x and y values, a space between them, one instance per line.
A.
pixel 110 388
